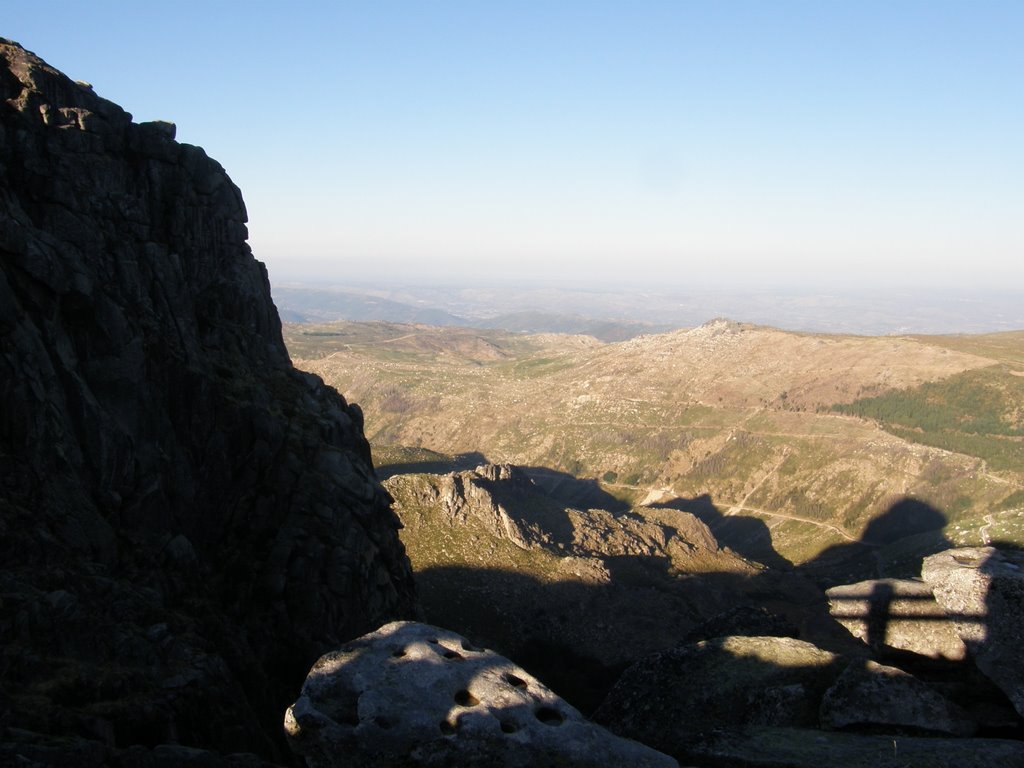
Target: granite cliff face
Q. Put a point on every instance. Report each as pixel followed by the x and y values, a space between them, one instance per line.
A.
pixel 186 521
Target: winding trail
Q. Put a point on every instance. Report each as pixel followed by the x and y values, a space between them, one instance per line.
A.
pixel 983 531
pixel 742 505
pixel 846 535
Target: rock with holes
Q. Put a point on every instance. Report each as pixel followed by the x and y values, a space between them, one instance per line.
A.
pixel 411 694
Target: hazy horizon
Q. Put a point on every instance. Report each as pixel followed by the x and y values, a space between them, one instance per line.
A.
pixel 846 309
pixel 805 146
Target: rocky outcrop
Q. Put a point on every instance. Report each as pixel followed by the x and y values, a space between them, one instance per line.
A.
pixel 868 694
pixel 414 695
pixel 743 621
pixel 896 614
pixel 982 591
pixel 667 698
pixel 574 595
pixel 700 702
pixel 186 522
pixel 771 747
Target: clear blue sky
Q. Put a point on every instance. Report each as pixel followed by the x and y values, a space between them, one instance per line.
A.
pixel 791 142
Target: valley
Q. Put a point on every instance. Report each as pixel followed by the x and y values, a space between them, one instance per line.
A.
pixel 788 445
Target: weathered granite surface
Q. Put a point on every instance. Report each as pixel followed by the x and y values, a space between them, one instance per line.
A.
pixel 186 522
pixel 415 695
pixel 772 747
pixel 868 694
pixel 896 614
pixel 667 698
pixel 982 591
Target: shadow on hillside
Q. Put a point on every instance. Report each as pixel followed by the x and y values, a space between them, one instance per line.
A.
pixel 575 492
pixel 893 544
pixel 578 633
pixel 458 463
pixel 746 536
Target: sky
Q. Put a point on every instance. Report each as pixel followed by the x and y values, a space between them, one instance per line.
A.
pixel 787 143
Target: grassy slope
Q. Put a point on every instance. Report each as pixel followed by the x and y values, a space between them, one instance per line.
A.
pixel 736 419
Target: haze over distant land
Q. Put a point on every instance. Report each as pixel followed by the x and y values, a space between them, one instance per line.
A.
pixel 742 144
pixel 612 312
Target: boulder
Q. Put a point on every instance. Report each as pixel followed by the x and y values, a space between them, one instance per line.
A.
pixel 768 747
pixel 873 696
pixel 743 620
pixel 412 694
pixel 982 591
pixel 899 614
pixel 669 697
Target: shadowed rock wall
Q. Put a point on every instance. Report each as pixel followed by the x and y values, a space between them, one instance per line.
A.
pixel 186 522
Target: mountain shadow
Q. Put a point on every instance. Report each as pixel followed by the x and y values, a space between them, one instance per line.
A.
pixel 746 536
pixel 575 492
pixel 893 544
pixel 442 465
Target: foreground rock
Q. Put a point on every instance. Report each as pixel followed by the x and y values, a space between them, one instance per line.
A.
pixel 871 695
pixel 186 522
pixel 684 701
pixel 667 698
pixel 415 695
pixel 982 591
pixel 768 747
pixel 896 614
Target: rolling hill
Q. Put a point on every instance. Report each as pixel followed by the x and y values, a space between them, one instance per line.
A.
pixel 790 446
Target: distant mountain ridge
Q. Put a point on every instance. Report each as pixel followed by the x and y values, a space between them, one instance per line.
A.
pixel 536 306
pixel 310 305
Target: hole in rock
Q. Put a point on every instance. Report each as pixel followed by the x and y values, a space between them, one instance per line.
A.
pixel 453 655
pixel 549 716
pixel 447 728
pixel 515 682
pixel 399 653
pixel 466 699
pixel 433 641
pixel 468 646
pixel 507 726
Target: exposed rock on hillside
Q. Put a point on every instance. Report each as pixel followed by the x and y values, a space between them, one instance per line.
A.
pixel 186 522
pixel 414 695
pixel 575 595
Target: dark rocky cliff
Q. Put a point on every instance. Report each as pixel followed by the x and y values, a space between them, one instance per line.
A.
pixel 186 521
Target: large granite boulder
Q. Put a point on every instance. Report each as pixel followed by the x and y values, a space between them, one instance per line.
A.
pixel 982 591
pixel 896 614
pixel 773 747
pixel 668 698
pixel 868 695
pixel 411 694
pixel 186 522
